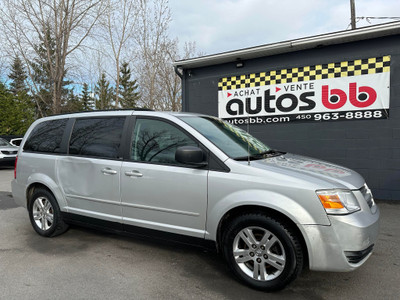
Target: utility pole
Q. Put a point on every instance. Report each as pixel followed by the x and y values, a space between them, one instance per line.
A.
pixel 353 14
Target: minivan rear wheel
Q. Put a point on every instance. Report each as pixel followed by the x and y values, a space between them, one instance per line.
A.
pixel 262 251
pixel 45 215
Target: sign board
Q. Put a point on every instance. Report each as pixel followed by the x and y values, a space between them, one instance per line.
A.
pixel 347 90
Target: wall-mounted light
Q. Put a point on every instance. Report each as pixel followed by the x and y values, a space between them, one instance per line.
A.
pixel 239 64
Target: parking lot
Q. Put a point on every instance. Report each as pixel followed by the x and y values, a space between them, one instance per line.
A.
pixel 86 264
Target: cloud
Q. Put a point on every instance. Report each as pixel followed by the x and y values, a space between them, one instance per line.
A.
pixel 218 26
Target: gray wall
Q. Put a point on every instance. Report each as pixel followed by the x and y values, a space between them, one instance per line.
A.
pixel 372 147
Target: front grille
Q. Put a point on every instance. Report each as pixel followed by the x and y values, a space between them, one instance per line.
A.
pixel 8 152
pixel 355 257
pixel 365 191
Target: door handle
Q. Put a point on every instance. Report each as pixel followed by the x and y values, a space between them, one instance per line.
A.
pixel 133 173
pixel 108 171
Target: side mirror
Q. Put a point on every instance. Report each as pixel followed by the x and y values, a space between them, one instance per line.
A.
pixel 190 155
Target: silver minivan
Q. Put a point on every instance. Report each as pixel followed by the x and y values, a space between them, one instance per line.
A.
pixel 196 179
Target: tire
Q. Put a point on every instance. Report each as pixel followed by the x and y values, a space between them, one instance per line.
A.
pixel 45 214
pixel 262 252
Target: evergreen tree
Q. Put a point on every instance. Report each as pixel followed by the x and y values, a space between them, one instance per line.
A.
pixel 104 93
pixel 128 88
pixel 72 103
pixel 86 100
pixel 16 112
pixel 41 74
pixel 18 77
pixel 42 77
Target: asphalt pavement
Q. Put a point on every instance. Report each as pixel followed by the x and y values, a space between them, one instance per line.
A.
pixel 87 264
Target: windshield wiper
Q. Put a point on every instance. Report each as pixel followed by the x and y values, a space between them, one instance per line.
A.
pixel 262 155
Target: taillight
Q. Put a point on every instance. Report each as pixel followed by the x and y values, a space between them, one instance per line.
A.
pixel 15 167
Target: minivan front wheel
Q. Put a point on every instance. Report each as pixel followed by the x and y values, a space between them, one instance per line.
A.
pixel 262 252
pixel 45 215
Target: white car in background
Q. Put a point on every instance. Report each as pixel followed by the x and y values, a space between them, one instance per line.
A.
pixel 8 152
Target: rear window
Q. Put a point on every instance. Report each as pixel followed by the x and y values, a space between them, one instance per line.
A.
pixel 46 137
pixel 97 137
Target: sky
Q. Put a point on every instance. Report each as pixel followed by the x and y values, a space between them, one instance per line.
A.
pixel 224 25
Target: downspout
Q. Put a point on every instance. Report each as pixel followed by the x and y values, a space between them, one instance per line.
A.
pixel 178 73
pixel 182 85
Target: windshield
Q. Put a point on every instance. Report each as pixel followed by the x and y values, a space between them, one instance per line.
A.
pixel 235 142
pixel 4 143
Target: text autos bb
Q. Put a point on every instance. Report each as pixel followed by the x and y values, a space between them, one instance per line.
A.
pixel 332 99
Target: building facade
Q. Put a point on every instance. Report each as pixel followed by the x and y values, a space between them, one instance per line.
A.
pixel 334 97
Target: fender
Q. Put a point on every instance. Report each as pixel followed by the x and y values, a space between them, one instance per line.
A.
pixel 281 203
pixel 51 185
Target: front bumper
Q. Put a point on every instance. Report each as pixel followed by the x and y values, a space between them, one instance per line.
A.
pixel 344 245
pixel 9 160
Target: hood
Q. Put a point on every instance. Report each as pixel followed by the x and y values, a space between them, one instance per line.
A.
pixel 308 168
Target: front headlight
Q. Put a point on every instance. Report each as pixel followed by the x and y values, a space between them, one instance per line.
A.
pixel 338 201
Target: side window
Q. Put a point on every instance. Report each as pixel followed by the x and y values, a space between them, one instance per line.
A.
pixel 46 137
pixel 156 141
pixel 97 137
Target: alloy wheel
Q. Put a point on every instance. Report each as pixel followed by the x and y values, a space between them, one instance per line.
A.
pixel 259 253
pixel 43 213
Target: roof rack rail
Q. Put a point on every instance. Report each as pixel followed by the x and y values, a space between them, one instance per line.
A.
pixel 103 110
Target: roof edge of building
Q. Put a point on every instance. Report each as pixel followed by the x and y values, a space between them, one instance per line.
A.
pixel 333 38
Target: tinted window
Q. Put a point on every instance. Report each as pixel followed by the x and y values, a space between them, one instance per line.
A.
pixel 156 141
pixel 16 142
pixel 98 137
pixel 46 137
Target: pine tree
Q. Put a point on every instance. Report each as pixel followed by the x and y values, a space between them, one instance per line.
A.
pixel 18 77
pixel 42 76
pixel 85 98
pixel 16 112
pixel 72 103
pixel 104 93
pixel 128 88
